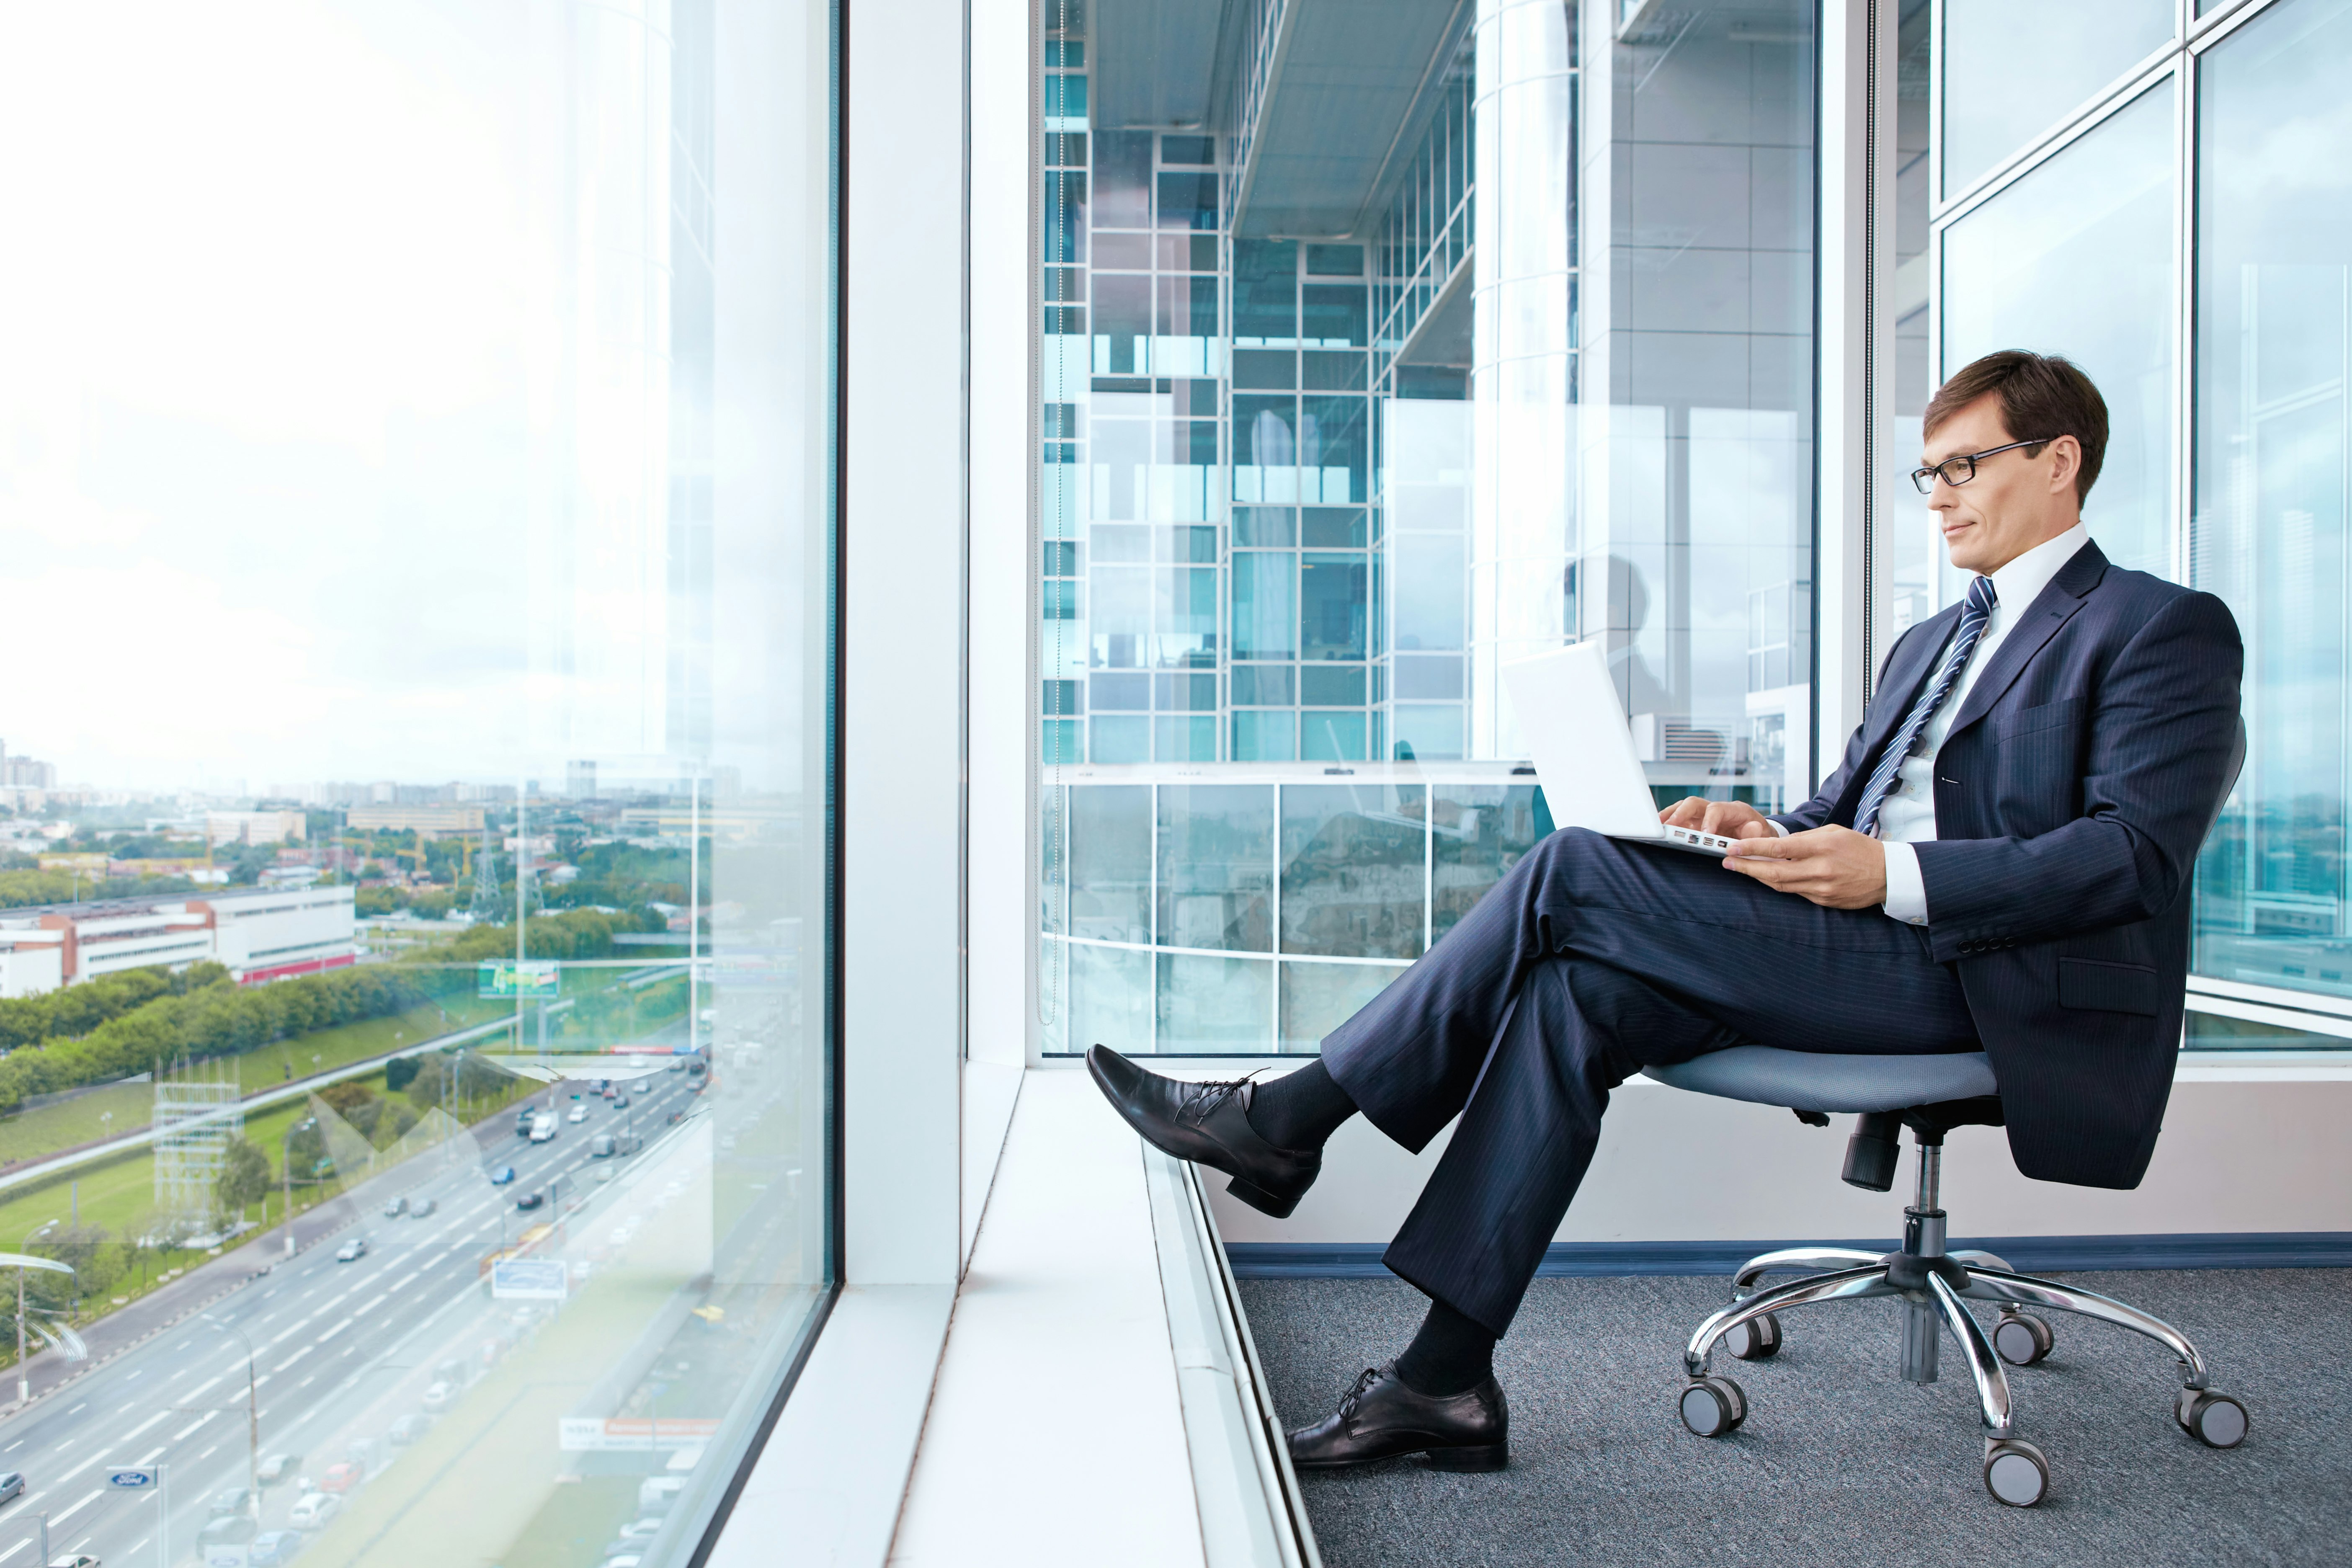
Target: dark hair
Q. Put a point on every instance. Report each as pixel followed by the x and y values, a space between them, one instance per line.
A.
pixel 2040 395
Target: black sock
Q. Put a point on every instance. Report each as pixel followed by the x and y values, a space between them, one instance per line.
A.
pixel 1452 1354
pixel 1299 1109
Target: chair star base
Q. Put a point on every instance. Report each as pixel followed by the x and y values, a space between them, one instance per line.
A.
pixel 1931 1285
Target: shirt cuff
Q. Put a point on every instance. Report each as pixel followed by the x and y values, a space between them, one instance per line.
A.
pixel 1906 894
pixel 1779 827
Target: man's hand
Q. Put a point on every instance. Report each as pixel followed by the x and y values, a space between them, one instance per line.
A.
pixel 1724 818
pixel 1834 866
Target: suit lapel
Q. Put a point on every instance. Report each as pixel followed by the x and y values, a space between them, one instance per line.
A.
pixel 2051 609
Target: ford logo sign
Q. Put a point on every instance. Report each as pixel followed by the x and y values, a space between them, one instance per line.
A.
pixel 133 1478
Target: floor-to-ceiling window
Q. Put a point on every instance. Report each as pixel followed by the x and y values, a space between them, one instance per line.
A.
pixel 2164 200
pixel 1378 350
pixel 414 434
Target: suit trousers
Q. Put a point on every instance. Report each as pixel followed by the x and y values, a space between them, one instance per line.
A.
pixel 1591 959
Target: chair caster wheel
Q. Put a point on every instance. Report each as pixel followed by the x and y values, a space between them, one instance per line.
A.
pixel 2021 1338
pixel 2215 1420
pixel 1714 1406
pixel 2015 1472
pixel 1758 1339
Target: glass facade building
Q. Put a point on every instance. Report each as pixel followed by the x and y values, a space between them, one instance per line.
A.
pixel 1351 399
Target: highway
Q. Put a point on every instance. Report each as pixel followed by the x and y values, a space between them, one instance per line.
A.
pixel 339 1351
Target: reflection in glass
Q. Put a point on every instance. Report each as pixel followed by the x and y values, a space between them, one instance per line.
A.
pixel 2076 259
pixel 478 869
pixel 2015 68
pixel 1477 833
pixel 1215 861
pixel 1213 1007
pixel 1316 999
pixel 1110 862
pixel 1351 871
pixel 2274 428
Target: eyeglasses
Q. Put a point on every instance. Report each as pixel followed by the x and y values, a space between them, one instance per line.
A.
pixel 1962 470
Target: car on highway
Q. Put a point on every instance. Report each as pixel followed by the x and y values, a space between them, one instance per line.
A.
pixel 531 1200
pixel 341 1478
pixel 639 1528
pixel 228 1530
pixel 312 1510
pixel 502 1176
pixel 440 1395
pixel 577 1114
pixel 352 1250
pixel 420 1207
pixel 395 1208
pixel 611 1091
pixel 12 1484
pixel 600 1147
pixel 523 1119
pixel 272 1547
pixel 236 1500
pixel 409 1428
pixel 276 1467
pixel 620 1102
pixel 543 1127
pixel 73 1561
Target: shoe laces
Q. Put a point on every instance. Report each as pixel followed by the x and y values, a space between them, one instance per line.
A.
pixel 1354 1396
pixel 1206 1097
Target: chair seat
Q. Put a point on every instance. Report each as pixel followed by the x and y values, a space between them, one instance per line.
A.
pixel 1806 1080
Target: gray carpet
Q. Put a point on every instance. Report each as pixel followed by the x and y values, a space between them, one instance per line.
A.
pixel 1841 1461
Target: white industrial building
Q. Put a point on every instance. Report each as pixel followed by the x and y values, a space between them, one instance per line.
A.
pixel 270 935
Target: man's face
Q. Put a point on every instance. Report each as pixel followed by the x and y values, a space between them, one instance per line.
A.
pixel 2014 503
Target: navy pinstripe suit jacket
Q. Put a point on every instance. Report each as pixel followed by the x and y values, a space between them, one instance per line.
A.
pixel 2072 793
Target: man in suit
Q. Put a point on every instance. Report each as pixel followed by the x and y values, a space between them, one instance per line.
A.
pixel 2000 863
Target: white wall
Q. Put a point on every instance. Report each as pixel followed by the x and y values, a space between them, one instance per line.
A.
pixel 999 913
pixel 902 566
pixel 2235 1156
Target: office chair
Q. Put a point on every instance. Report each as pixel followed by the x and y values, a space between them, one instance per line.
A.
pixel 1931 1095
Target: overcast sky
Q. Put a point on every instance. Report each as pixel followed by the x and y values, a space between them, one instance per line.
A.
pixel 281 335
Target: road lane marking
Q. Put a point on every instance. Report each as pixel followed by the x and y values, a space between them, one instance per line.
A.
pixel 208 1453
pixel 290 1360
pixel 192 1392
pixel 370 1305
pixel 150 1456
pixel 78 1408
pixel 338 1329
pixel 151 1421
pixel 183 1435
pixel 290 1332
pixel 77 1508
pixel 15 1549
pixel 403 1280
pixel 20 1442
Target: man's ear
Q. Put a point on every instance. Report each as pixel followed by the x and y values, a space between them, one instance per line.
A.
pixel 2065 462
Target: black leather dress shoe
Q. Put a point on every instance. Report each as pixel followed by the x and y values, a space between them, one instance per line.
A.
pixel 1207 1123
pixel 1381 1418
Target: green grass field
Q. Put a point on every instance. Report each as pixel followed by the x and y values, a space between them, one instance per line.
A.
pixel 69 1124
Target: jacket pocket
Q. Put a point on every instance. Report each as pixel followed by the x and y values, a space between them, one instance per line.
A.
pixel 2099 987
pixel 2046 716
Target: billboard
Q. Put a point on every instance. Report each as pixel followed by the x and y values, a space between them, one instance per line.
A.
pixel 540 980
pixel 529 1280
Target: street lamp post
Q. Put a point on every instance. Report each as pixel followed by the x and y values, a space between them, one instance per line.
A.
pixel 24 1376
pixel 252 1421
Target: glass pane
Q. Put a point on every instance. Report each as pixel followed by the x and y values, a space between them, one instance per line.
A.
pixel 1216 866
pixel 1316 999
pixel 1909 551
pixel 1404 459
pixel 1352 869
pixel 1215 1006
pixel 2274 430
pixel 448 393
pixel 2014 69
pixel 2076 259
pixel 1476 834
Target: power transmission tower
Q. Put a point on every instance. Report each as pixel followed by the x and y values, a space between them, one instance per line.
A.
pixel 486 905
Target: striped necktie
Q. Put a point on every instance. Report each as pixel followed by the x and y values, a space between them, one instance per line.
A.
pixel 1904 741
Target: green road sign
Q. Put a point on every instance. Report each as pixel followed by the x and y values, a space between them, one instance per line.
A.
pixel 539 982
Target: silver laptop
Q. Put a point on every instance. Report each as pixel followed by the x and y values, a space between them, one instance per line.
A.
pixel 1575 728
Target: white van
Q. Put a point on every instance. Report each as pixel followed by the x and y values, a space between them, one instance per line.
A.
pixel 542 1127
pixel 656 1493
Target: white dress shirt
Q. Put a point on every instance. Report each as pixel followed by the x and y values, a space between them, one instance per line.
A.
pixel 1907 816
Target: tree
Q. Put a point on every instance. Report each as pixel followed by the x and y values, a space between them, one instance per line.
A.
pixel 245 1178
